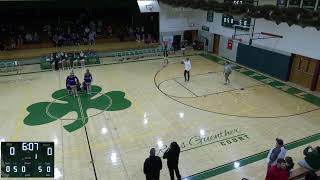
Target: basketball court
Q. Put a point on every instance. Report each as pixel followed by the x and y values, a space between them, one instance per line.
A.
pixel 223 131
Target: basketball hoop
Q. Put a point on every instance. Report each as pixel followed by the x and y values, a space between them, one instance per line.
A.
pixel 149 8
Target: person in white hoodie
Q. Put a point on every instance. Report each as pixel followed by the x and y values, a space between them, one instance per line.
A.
pixel 278 152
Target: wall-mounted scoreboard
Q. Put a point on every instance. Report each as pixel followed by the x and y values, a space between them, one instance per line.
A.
pixel 239 2
pixel 230 21
pixel 27 159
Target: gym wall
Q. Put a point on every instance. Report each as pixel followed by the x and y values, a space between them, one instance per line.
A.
pixel 230 54
pixel 272 63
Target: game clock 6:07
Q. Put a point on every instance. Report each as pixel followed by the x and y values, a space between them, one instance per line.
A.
pixel 27 159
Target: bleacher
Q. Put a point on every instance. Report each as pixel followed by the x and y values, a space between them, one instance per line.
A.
pixel 137 53
pixel 9 66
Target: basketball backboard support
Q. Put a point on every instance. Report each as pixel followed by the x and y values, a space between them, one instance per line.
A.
pixel 251 35
pixel 148 6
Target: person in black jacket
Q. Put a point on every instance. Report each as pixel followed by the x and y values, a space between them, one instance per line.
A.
pixel 152 166
pixel 172 156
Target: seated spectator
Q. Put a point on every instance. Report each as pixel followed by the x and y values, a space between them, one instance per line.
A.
pixel 290 164
pixel 109 30
pixel 279 171
pixel 20 40
pixel 2 47
pixel 13 43
pixel 87 30
pixel 55 39
pixel 100 26
pixel 61 40
pixel 36 37
pixel 278 152
pixel 312 158
pixel 28 37
pixel 142 33
pixel 92 38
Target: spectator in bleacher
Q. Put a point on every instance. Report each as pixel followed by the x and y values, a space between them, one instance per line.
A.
pixel 278 152
pixel 279 171
pixel 142 33
pixel 100 26
pixel 312 158
pixel 152 166
pixel 92 38
pixel 92 26
pixel 61 40
pixel 137 33
pixel 121 36
pixel 28 37
pixel 290 164
pixel 36 37
pixel 55 39
pixel 76 39
pixel 131 34
pixel 2 47
pixel 86 31
pixel 13 43
pixel 20 40
pixel 109 29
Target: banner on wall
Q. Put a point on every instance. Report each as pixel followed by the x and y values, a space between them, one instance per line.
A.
pixel 230 44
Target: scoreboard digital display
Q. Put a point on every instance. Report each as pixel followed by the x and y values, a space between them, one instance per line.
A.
pixel 230 21
pixel 239 2
pixel 27 159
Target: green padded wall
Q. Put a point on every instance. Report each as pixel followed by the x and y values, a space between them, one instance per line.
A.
pixel 265 61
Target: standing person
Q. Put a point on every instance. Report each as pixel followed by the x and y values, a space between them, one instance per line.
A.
pixel 73 81
pixel 165 56
pixel 88 81
pixel 68 86
pixel 152 166
pixel 172 156
pixel 312 158
pixel 278 171
pixel 227 71
pixel 183 49
pixel 187 68
pixel 92 38
pixel 278 152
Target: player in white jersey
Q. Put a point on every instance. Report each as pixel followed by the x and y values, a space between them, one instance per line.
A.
pixel 187 68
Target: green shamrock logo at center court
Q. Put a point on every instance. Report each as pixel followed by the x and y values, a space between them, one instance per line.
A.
pixel 46 112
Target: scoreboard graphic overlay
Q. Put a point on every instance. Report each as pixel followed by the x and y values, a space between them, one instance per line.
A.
pixel 27 159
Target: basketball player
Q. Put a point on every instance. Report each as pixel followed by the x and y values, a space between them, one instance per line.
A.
pixel 187 68
pixel 78 86
pixel 165 57
pixel 68 86
pixel 183 49
pixel 88 81
pixel 227 71
pixel 73 80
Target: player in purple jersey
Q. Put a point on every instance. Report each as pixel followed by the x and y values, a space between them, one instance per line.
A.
pixel 72 79
pixel 68 86
pixel 88 81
